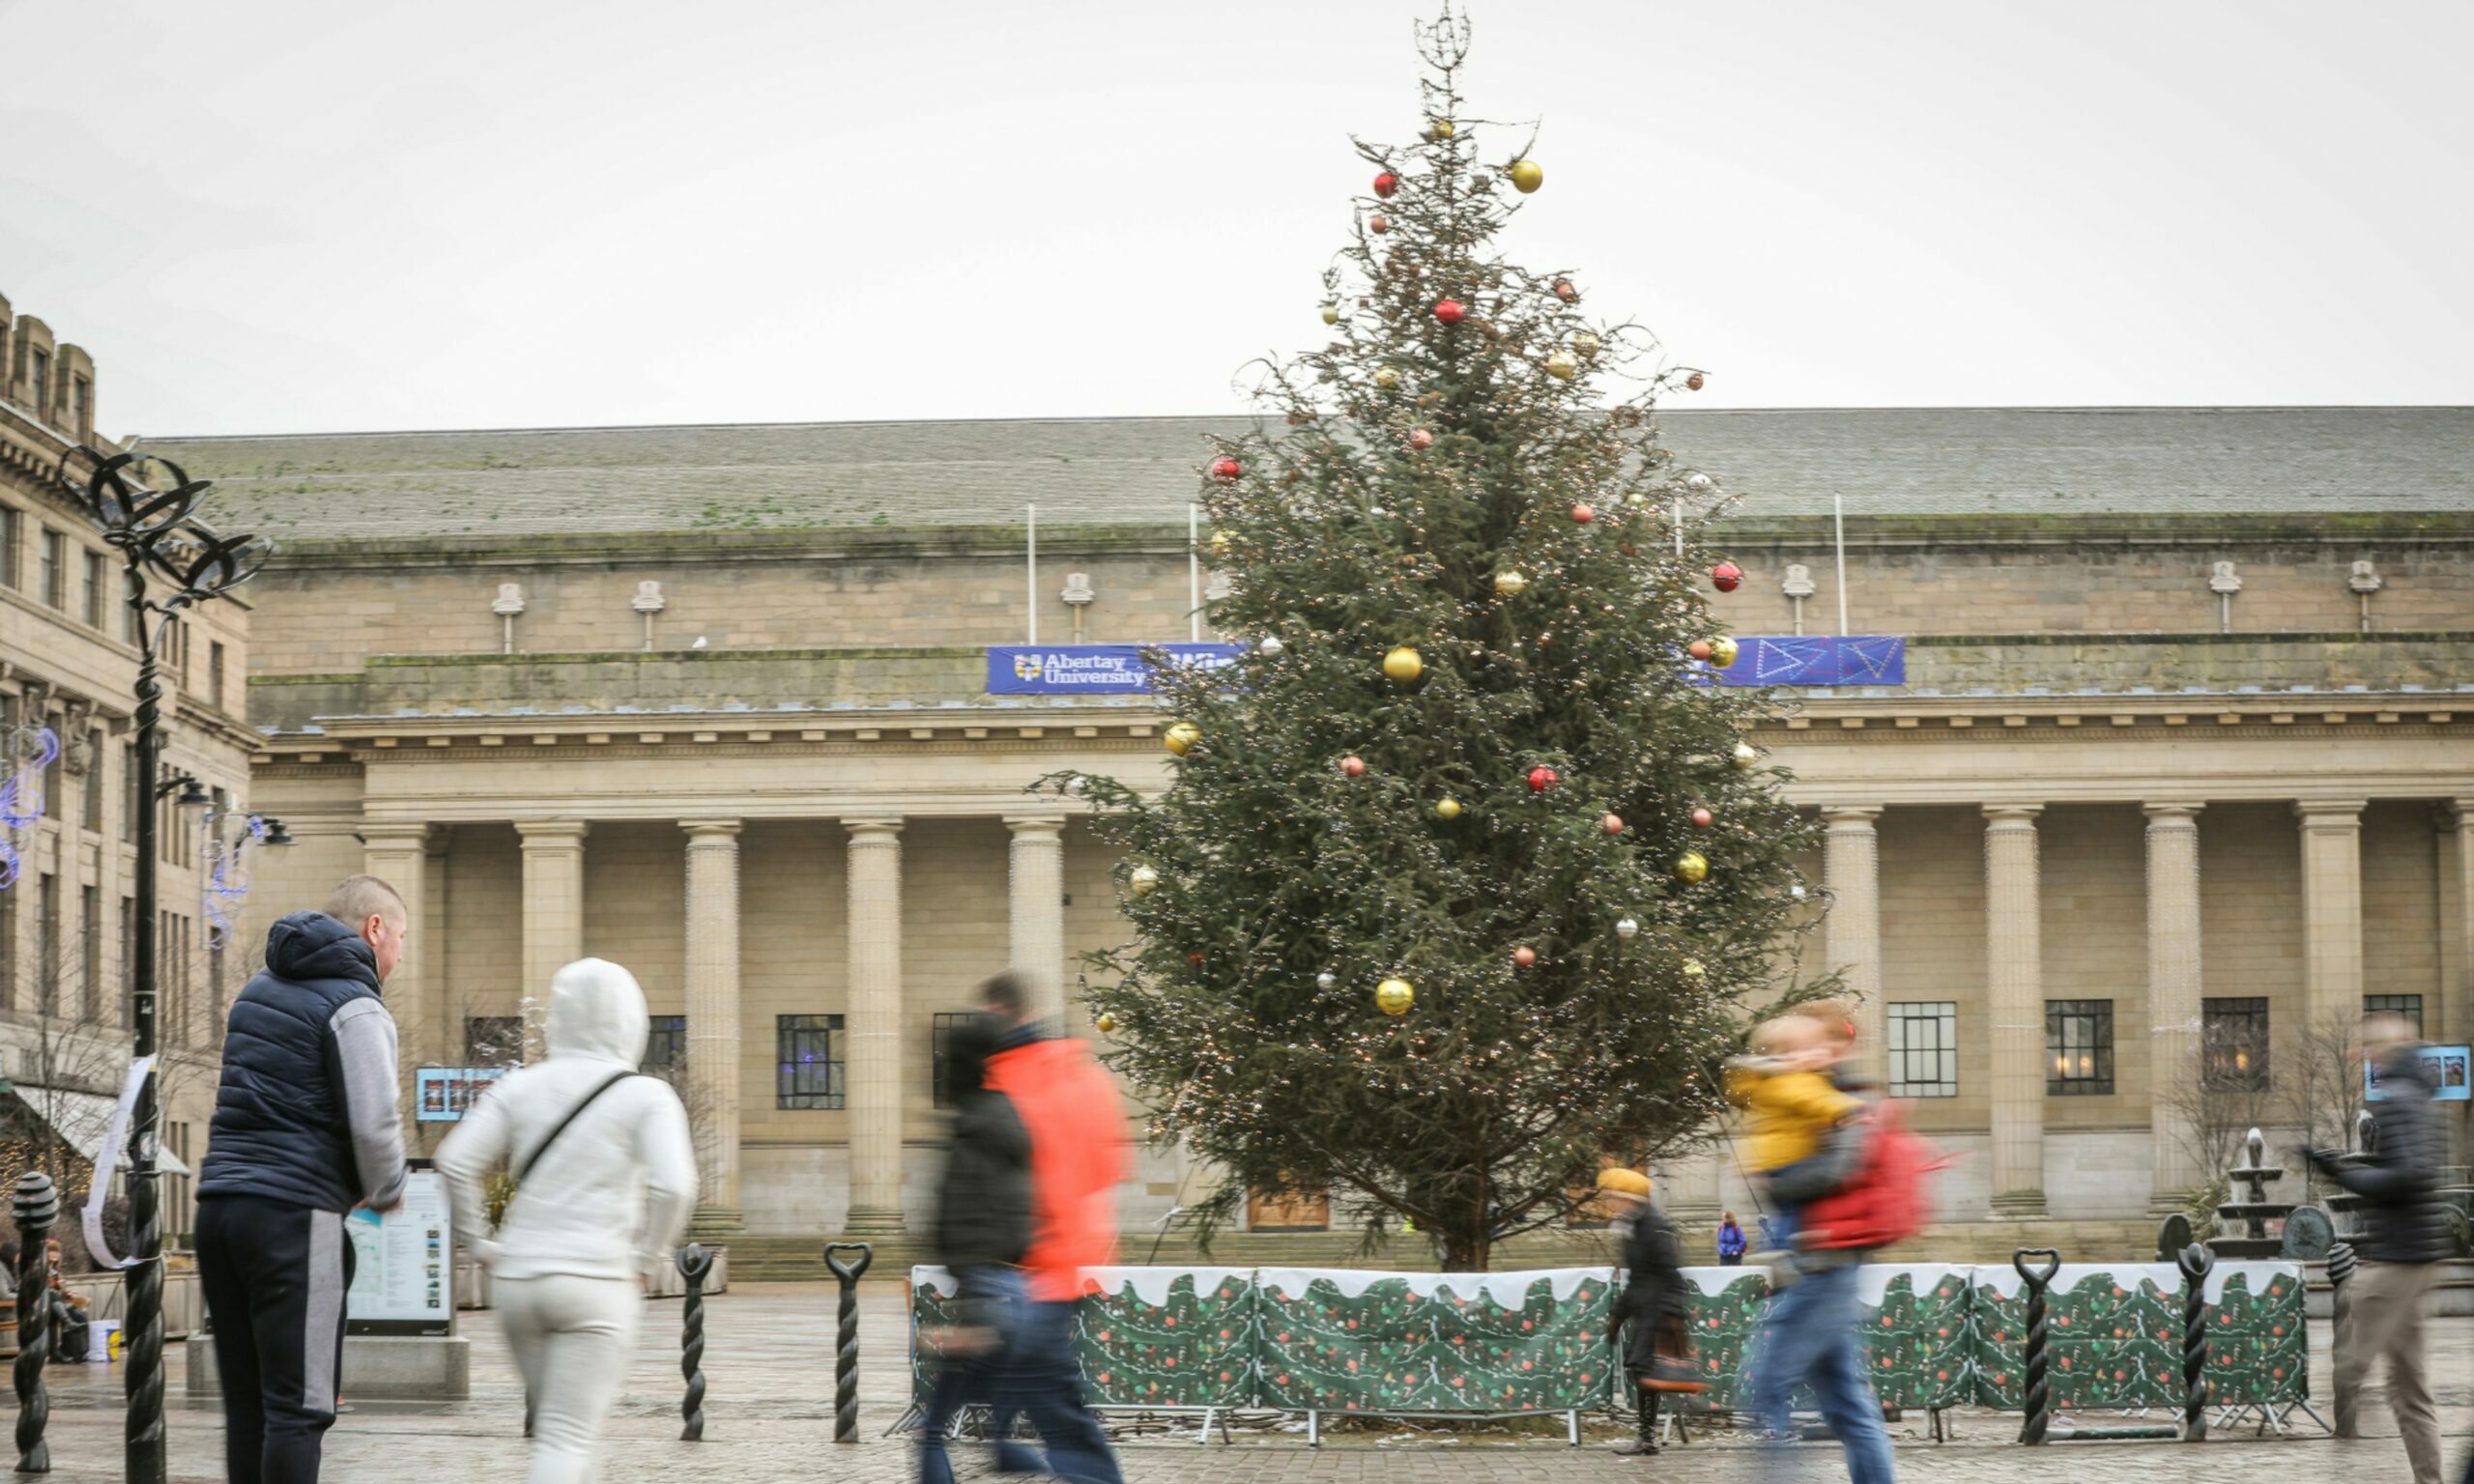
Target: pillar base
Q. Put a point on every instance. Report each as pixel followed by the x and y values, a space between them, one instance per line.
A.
pixel 2167 1203
pixel 2012 1205
pixel 715 1221
pixel 872 1221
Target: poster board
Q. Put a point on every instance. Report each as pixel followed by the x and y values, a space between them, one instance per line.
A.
pixel 403 1279
pixel 2451 1070
pixel 443 1095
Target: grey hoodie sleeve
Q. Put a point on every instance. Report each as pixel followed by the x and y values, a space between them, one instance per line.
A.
pixel 365 1050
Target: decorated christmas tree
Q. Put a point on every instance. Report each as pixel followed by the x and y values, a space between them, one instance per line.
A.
pixel 1466 871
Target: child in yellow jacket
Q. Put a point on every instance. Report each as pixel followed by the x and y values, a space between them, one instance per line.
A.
pixel 1791 1105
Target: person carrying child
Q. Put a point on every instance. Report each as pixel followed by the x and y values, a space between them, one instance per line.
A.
pixel 1793 1110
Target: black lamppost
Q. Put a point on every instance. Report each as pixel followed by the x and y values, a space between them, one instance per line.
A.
pixel 161 542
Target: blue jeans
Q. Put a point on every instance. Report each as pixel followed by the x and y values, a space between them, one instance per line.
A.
pixel 995 1296
pixel 1808 1334
pixel 1042 1380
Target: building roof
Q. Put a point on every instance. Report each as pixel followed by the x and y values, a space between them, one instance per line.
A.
pixel 1886 461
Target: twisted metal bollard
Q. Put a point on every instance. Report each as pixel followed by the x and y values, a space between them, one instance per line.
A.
pixel 845 1355
pixel 36 1207
pixel 2197 1262
pixel 2039 1400
pixel 693 1265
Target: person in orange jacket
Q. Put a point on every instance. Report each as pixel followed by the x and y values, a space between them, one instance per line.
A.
pixel 1078 1154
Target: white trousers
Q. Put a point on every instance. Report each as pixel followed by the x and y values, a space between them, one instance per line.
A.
pixel 572 1339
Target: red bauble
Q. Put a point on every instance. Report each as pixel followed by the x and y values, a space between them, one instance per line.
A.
pixel 1386 184
pixel 1612 824
pixel 1450 311
pixel 1693 382
pixel 1699 649
pixel 1726 576
pixel 1224 469
pixel 1421 439
pixel 1524 955
pixel 1564 291
pixel 1194 958
pixel 1353 766
pixel 1540 780
pixel 1702 819
pixel 1582 515
pixel 1379 224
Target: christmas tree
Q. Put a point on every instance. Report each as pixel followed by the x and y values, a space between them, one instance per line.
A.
pixel 1466 873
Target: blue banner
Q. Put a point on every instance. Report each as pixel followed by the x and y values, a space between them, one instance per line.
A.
pixel 1854 659
pixel 1090 670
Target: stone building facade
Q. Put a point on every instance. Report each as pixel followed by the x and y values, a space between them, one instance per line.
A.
pixel 69 667
pixel 2186 746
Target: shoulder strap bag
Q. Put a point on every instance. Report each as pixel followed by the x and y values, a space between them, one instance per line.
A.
pixel 574 1113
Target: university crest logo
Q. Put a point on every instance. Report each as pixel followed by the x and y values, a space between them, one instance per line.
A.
pixel 1026 666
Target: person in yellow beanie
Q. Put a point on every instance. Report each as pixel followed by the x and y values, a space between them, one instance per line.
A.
pixel 1657 1346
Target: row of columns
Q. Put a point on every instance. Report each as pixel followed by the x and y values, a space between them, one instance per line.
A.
pixel 553 918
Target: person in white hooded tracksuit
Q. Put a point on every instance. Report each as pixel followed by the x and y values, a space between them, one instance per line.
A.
pixel 606 1177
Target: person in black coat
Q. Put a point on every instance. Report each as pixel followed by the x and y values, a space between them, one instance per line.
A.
pixel 1650 1305
pixel 2405 1235
pixel 983 1228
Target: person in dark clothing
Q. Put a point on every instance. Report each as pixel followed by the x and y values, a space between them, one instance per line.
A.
pixel 983 1228
pixel 1649 1306
pixel 305 1130
pixel 2405 1233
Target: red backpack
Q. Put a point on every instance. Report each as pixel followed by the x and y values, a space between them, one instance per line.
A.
pixel 1885 1202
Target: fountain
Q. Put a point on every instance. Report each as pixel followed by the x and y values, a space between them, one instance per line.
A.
pixel 2242 1224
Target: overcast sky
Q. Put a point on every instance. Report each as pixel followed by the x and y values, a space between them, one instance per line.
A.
pixel 263 215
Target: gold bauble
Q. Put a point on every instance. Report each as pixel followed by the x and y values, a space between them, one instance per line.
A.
pixel 1394 996
pixel 1106 1022
pixel 1447 809
pixel 1439 128
pixel 1722 651
pixel 1509 584
pixel 1562 366
pixel 1744 756
pixel 1182 737
pixel 1403 665
pixel 1692 968
pixel 1219 543
pixel 1331 314
pixel 1387 377
pixel 1587 344
pixel 1527 176
pixel 1692 866
pixel 1142 880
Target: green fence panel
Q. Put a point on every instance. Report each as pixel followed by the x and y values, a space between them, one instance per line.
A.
pixel 933 1291
pixel 1721 1310
pixel 2113 1335
pixel 2258 1336
pixel 1919 1344
pixel 1169 1337
pixel 1347 1340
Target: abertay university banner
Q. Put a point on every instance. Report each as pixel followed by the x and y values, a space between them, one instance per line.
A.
pixel 1121 670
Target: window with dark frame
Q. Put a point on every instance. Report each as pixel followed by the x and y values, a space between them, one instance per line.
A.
pixel 2234 1042
pixel 1923 1042
pixel 41 378
pixel 806 1075
pixel 95 786
pixel 493 1040
pixel 128 959
pixel 51 571
pixel 2410 1006
pixel 128 613
pixel 90 952
pixel 93 562
pixel 940 1082
pixel 48 944
pixel 2078 1048
pixel 214 674
pixel 666 1045
pixel 13 531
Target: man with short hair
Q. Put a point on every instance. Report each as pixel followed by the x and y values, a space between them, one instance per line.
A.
pixel 305 1129
pixel 2405 1234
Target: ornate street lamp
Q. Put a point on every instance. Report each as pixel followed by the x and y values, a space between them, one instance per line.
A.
pixel 173 561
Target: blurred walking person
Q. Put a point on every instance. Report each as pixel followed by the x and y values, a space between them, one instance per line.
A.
pixel 2405 1235
pixel 1657 1347
pixel 1070 1107
pixel 305 1129
pixel 605 1178
pixel 982 1233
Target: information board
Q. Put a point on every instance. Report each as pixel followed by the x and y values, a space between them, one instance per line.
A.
pixel 2450 1068
pixel 403 1278
pixel 443 1095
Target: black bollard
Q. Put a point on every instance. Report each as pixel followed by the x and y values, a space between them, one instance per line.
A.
pixel 693 1265
pixel 36 1207
pixel 2197 1262
pixel 846 1353
pixel 2039 1401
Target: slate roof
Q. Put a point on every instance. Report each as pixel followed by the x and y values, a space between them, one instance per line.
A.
pixel 1886 461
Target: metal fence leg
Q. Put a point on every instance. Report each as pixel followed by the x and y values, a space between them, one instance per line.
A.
pixel 1314 1429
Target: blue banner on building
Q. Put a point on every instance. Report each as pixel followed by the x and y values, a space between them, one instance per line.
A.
pixel 1854 659
pixel 1090 670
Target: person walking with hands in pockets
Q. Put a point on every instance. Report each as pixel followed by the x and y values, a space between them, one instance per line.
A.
pixel 605 1178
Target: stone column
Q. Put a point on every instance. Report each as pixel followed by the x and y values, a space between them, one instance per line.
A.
pixel 399 854
pixel 2014 983
pixel 1036 881
pixel 2173 996
pixel 2331 914
pixel 2459 1023
pixel 712 1015
pixel 553 915
pixel 1851 943
pixel 874 1028
pixel 442 1039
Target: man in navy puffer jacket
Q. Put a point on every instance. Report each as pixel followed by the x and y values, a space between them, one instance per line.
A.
pixel 305 1129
